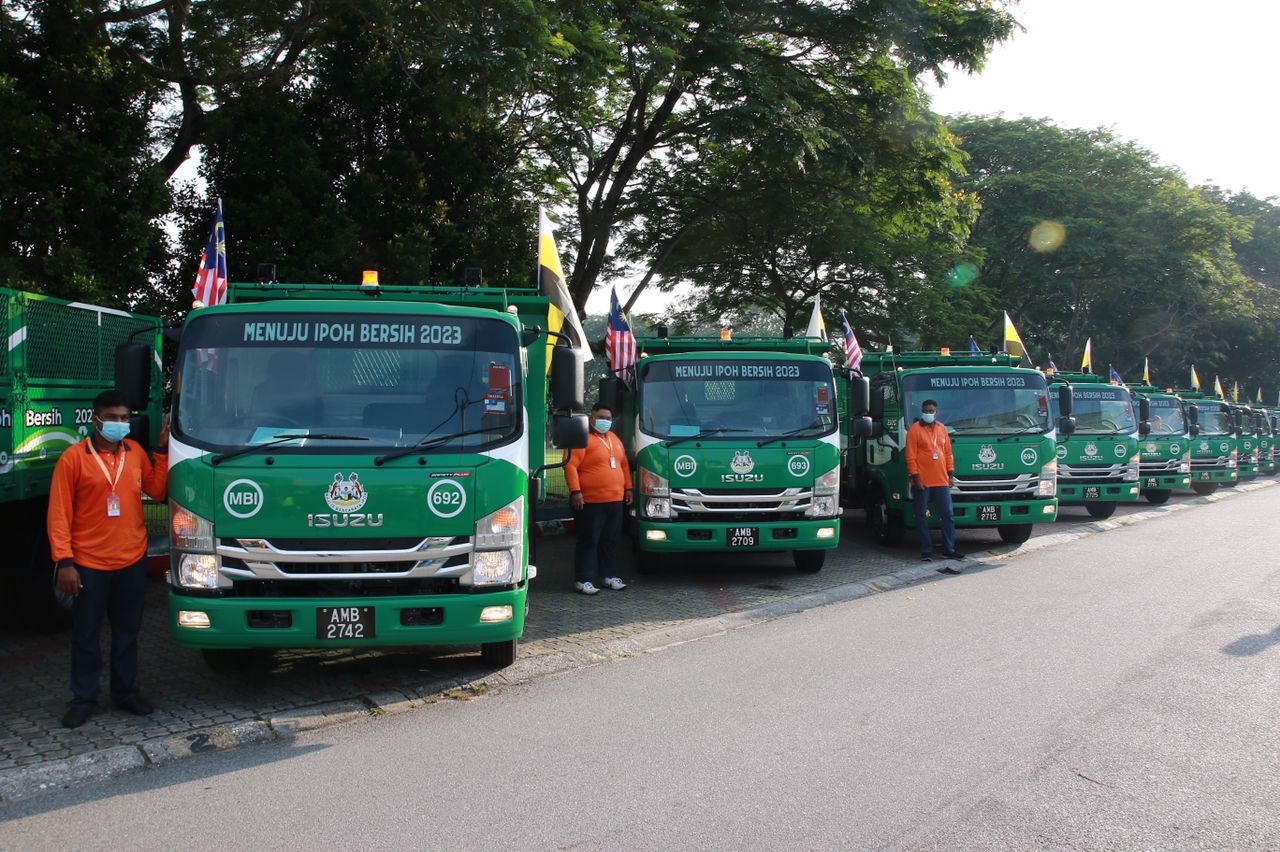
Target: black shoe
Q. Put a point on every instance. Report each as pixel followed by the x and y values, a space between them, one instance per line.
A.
pixel 77 714
pixel 135 704
pixel 926 557
pixel 947 569
pixel 955 554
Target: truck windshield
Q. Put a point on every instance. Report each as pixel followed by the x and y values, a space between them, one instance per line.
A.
pixel 981 402
pixel 1167 417
pixel 383 380
pixel 1214 420
pixel 747 398
pixel 1101 410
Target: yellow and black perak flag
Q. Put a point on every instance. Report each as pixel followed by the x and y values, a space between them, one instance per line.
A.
pixel 1013 342
pixel 562 317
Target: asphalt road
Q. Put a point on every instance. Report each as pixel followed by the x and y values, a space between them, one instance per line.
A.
pixel 1115 692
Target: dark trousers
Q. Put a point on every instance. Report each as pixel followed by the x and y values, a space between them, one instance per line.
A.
pixel 940 497
pixel 118 595
pixel 599 525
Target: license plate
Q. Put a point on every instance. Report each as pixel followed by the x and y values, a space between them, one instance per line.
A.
pixel 1092 492
pixel 988 513
pixel 344 623
pixel 1204 476
pixel 744 536
pixel 1151 482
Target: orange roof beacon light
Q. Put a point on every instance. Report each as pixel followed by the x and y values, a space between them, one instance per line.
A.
pixel 369 278
pixel 946 350
pixel 726 334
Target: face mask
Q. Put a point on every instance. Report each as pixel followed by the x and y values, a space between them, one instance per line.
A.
pixel 927 416
pixel 113 431
pixel 603 425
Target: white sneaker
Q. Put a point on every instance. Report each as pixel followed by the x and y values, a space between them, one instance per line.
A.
pixel 614 583
pixel 587 588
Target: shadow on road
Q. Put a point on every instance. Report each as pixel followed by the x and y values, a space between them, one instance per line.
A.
pixel 1247 646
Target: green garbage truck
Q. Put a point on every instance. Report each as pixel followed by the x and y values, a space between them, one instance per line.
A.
pixel 1214 452
pixel 735 445
pixel 1099 463
pixel 60 355
pixel 356 466
pixel 1002 438
pixel 1166 449
pixel 1249 441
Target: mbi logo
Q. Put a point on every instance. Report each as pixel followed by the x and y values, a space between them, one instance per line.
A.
pixel 346 495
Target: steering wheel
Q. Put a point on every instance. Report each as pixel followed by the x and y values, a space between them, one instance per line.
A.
pixel 1024 419
pixel 1110 424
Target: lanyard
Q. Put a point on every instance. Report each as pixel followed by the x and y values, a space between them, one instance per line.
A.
pixel 933 439
pixel 119 465
pixel 608 445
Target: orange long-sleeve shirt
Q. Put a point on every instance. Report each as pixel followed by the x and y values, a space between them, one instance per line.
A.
pixel 79 527
pixel 589 470
pixel 922 443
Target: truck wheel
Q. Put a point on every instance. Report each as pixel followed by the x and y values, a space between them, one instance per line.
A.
pixel 32 605
pixel 809 561
pixel 1157 498
pixel 227 659
pixel 1014 533
pixel 1204 489
pixel 1100 510
pixel 498 655
pixel 885 523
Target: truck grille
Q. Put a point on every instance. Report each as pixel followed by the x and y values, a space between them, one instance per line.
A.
pixel 973 489
pixel 344 559
pixel 724 504
pixel 1216 463
pixel 1092 474
pixel 1159 468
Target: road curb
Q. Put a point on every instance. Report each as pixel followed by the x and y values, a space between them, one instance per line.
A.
pixel 27 781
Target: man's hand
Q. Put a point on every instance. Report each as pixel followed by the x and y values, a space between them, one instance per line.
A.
pixel 575 500
pixel 163 438
pixel 69 580
pixel 916 485
pixel 627 497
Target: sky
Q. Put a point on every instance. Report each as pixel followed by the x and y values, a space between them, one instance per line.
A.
pixel 1192 82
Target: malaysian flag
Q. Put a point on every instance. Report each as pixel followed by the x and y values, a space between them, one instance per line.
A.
pixel 211 281
pixel 619 342
pixel 852 351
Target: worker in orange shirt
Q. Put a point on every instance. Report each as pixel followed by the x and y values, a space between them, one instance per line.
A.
pixel 99 542
pixel 932 470
pixel 599 481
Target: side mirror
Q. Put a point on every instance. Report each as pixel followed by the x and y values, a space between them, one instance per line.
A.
pixel 1066 424
pixel 569 431
pixel 140 430
pixel 530 336
pixel 877 429
pixel 567 393
pixel 861 427
pixel 1238 422
pixel 1144 409
pixel 1193 429
pixel 133 373
pixel 860 397
pixel 875 407
pixel 1144 428
pixel 1064 403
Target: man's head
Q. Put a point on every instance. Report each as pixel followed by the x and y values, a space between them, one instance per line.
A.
pixel 111 415
pixel 928 410
pixel 601 417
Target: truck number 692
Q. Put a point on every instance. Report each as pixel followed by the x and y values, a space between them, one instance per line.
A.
pixel 446 498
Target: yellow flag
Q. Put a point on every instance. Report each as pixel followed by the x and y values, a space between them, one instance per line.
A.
pixel 1146 371
pixel 1195 380
pixel 1217 388
pixel 1259 394
pixel 817 326
pixel 1235 392
pixel 562 317
pixel 1086 363
pixel 1013 342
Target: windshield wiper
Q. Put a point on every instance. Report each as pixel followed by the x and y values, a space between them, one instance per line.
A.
pixel 791 434
pixel 430 442
pixel 1026 431
pixel 671 442
pixel 282 439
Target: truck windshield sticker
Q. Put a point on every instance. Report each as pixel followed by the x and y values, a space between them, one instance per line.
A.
pixel 981 381
pixel 324 331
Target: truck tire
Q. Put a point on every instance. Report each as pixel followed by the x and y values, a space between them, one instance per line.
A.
pixel 886 524
pixel 32 605
pixel 1158 497
pixel 809 561
pixel 227 659
pixel 1100 511
pixel 1014 533
pixel 1204 489
pixel 498 655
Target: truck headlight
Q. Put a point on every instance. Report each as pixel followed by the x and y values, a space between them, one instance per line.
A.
pixel 657 507
pixel 1231 460
pixel 826 494
pixel 1131 469
pixel 198 571
pixel 501 529
pixel 1184 465
pixel 494 567
pixel 652 485
pixel 189 531
pixel 1048 485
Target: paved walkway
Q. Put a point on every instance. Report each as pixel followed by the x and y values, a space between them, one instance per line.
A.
pixel 196 707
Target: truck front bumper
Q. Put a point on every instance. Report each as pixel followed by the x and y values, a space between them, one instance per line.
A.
pixel 1077 494
pixel 685 537
pixel 1166 483
pixel 1221 474
pixel 977 514
pixel 285 622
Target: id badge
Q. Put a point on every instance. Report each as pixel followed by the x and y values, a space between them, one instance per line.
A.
pixel 936 456
pixel 613 462
pixel 113 506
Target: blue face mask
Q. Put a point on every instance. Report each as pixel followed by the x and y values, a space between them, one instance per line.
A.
pixel 927 416
pixel 113 431
pixel 603 425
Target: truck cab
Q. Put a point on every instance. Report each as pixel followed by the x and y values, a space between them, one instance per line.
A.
pixel 1166 448
pixel 1249 438
pixel 1214 452
pixel 1098 464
